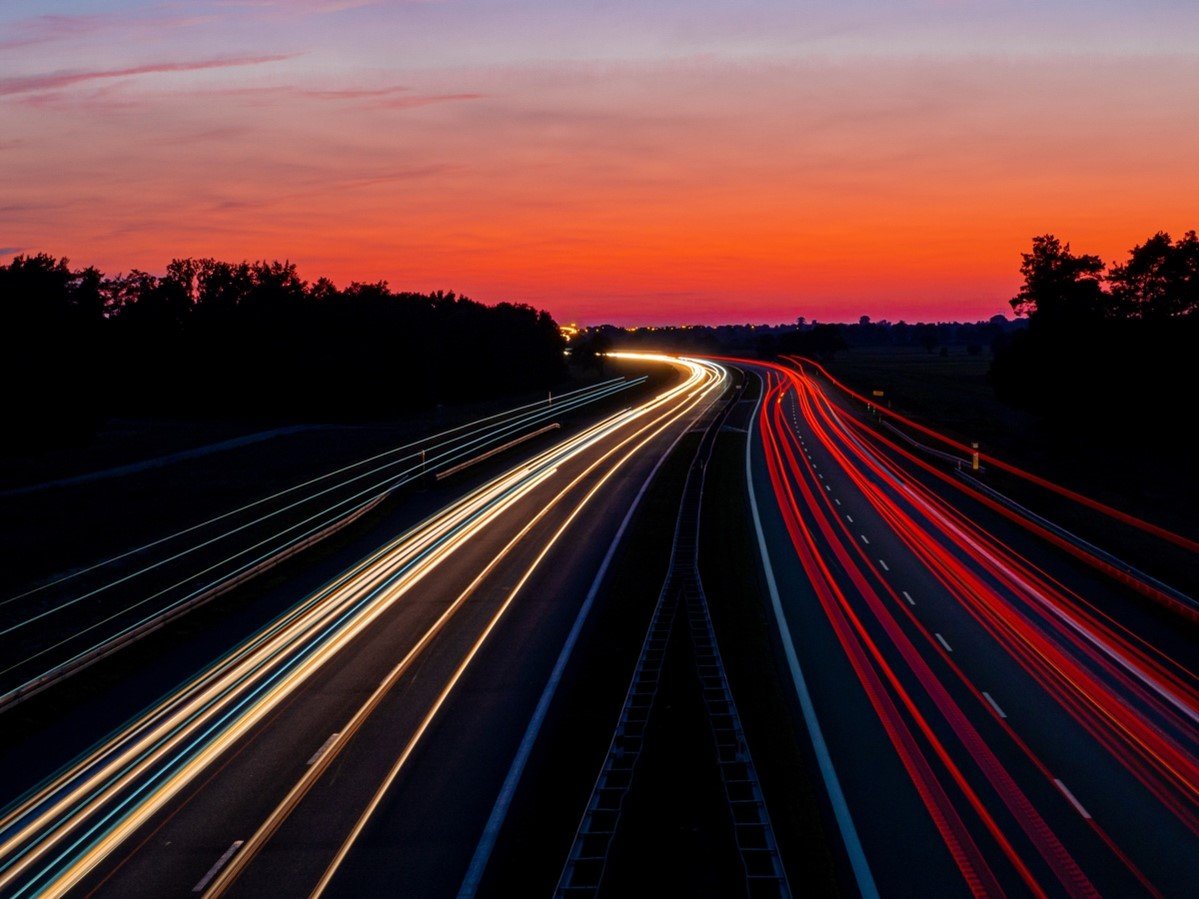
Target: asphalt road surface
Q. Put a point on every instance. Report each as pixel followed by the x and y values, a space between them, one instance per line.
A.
pixel 356 744
pixel 989 718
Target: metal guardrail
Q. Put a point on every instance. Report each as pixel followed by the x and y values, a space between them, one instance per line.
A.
pixel 120 641
pixel 371 498
pixel 462 466
pixel 1125 573
pixel 957 461
pixel 1128 574
pixel 582 875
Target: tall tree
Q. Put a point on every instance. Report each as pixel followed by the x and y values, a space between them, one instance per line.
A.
pixel 1060 289
pixel 1160 280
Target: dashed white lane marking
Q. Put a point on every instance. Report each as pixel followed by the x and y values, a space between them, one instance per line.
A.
pixel 828 488
pixel 818 474
pixel 884 564
pixel 998 711
pixel 908 597
pixel 865 539
pixel 1074 802
pixel 837 501
pixel 849 518
pixel 941 640
pixel 220 863
pixel 324 748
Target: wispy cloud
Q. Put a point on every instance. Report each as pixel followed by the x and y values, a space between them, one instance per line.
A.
pixel 389 97
pixel 59 80
pixel 51 27
pixel 301 6
pixel 41 29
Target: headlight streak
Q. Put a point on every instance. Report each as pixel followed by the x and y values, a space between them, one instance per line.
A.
pixel 324 517
pixel 716 383
pixel 430 442
pixel 72 821
pixel 284 678
pixel 1142 713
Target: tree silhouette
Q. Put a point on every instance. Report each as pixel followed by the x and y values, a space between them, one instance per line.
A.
pixel 1160 280
pixel 1059 287
pixel 1104 346
pixel 210 337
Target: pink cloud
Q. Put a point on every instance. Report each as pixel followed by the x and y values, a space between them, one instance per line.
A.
pixel 45 28
pixel 60 80
pixel 390 97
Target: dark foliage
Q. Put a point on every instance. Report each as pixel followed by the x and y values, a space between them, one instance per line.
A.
pixel 821 341
pixel 1110 351
pixel 248 339
pixel 812 338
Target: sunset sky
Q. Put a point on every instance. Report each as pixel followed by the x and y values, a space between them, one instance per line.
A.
pixel 631 161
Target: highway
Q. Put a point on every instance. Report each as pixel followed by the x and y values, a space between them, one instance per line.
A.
pixel 61 625
pixel 356 744
pixel 988 716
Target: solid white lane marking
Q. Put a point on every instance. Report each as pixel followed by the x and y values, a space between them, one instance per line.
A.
pixel 908 597
pixel 324 748
pixel 865 539
pixel 998 711
pixel 1074 802
pixel 824 760
pixel 941 639
pixel 220 863
pixel 499 811
pixel 884 564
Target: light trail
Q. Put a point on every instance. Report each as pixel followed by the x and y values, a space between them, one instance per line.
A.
pixel 55 835
pixel 715 384
pixel 446 451
pixel 1138 705
pixel 1109 511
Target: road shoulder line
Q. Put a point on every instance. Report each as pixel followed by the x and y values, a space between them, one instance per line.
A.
pixel 499 812
pixel 849 833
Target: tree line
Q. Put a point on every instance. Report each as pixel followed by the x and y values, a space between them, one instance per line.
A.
pixel 1113 346
pixel 225 339
pixel 804 337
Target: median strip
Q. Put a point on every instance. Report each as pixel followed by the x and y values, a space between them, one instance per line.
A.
pixel 217 865
pixel 441 475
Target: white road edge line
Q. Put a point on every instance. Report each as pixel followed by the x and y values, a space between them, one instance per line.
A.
pixel 908 597
pixel 824 760
pixel 503 802
pixel 218 864
pixel 1074 802
pixel 941 640
pixel 324 748
pixel 998 711
pixel 884 564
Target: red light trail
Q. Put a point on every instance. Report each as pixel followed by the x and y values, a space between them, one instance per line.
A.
pixel 1131 699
